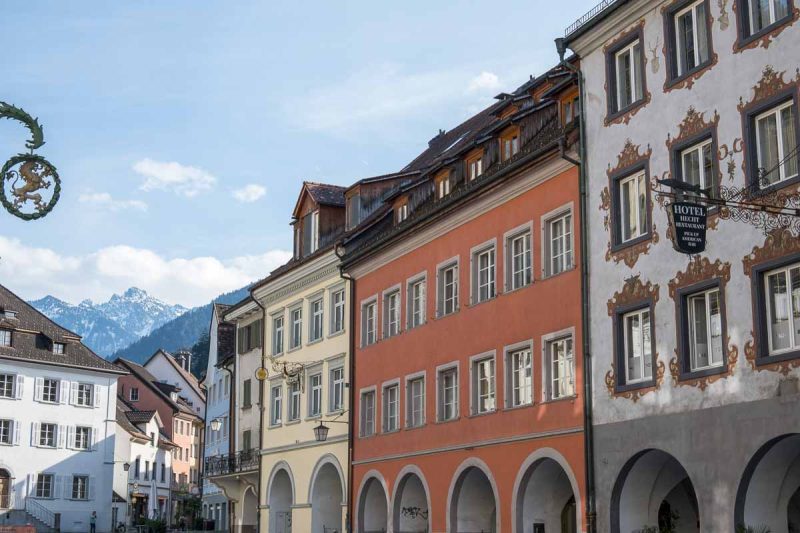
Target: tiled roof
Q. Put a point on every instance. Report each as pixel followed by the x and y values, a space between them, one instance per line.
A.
pixel 34 333
pixel 325 194
pixel 150 380
pixel 125 423
pixel 137 417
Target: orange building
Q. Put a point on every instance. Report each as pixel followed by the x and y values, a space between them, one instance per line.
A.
pixel 467 388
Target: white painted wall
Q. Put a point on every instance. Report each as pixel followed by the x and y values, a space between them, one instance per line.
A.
pixel 25 459
pixel 164 371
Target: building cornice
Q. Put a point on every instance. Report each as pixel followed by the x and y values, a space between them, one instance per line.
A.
pixel 303 445
pixel 611 26
pixel 293 282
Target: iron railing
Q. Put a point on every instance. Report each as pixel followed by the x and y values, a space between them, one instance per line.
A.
pixel 589 15
pixel 242 461
pixel 40 512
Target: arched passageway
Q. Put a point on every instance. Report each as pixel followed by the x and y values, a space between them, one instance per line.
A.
pixel 5 489
pixel 280 502
pixel 769 491
pixel 653 490
pixel 546 499
pixel 326 500
pixel 473 506
pixel 411 513
pixel 249 511
pixel 372 508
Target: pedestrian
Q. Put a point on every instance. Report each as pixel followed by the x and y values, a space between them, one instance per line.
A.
pixel 93 522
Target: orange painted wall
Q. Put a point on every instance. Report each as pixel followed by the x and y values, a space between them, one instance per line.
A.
pixel 546 306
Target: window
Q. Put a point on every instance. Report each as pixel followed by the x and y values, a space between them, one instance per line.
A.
pixel 315 396
pixel 415 395
pixel 5 431
pixel 560 369
pixel 49 390
pixel 704 320
pixel 337 389
pixel 367 413
pixel 147 469
pixel 697 167
pixel 7 385
pixel 315 333
pixel 163 473
pixel 416 302
pixel 443 186
pixel 294 401
pixel 448 288
pixel 134 394
pixel 47 435
pixel 628 76
pixel 44 486
pixel 5 337
pixel 483 386
pixel 276 405
pixel 632 210
pixel 8 313
pixel 776 144
pixel 58 348
pixel 80 487
pixel 483 275
pixel 391 313
pixel 764 13
pixel 637 346
pixel 337 322
pixel 353 210
pixel 296 318
pixel 474 167
pixel 520 377
pixel 368 323
pixel 310 233
pixel 448 394
pixel 250 336
pixel 247 394
pixel 246 437
pixel 277 335
pixel 509 144
pixel 571 110
pixel 391 397
pixel 558 252
pixel 83 396
pixel 83 436
pixel 402 213
pixel 519 271
pixel 137 463
pixel 691 38
pixel 782 289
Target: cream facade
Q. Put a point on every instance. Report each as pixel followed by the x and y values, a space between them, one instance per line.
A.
pixel 306 333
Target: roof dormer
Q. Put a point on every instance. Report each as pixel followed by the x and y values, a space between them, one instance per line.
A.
pixel 318 215
pixel 443 182
pixel 509 142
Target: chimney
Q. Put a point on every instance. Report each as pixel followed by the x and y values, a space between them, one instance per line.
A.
pixel 438 135
pixel 184 358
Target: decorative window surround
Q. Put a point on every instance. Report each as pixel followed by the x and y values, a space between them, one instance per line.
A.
pixel 624 115
pixel 746 39
pixel 687 78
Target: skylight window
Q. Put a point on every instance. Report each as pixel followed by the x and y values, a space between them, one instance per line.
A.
pixel 456 142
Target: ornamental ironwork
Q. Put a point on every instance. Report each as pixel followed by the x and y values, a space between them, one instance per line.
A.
pixel 29 184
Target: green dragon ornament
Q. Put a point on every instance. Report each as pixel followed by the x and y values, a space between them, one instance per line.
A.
pixel 28 178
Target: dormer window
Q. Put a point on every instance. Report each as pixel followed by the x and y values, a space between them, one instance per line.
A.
pixel 474 164
pixel 570 110
pixel 509 143
pixel 401 213
pixel 8 313
pixel 310 233
pixel 353 210
pixel 58 348
pixel 442 183
pixel 5 337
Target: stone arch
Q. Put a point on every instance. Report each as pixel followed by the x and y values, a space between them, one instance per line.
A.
pixel 769 491
pixel 326 495
pixel 248 509
pixel 372 513
pixel 280 498
pixel 549 466
pixel 6 487
pixel 412 479
pixel 331 459
pixel 473 481
pixel 653 489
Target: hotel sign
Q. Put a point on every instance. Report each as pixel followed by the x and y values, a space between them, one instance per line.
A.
pixel 689 223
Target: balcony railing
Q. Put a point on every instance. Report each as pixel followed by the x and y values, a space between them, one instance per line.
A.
pixel 589 15
pixel 243 461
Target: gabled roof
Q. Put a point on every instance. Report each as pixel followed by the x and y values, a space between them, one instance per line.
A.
pixel 144 376
pixel 187 376
pixel 34 333
pixel 322 193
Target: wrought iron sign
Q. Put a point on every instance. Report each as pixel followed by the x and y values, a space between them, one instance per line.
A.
pixel 689 221
pixel 29 184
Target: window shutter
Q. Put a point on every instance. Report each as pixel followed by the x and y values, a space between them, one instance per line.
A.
pixel 59 488
pixel 73 393
pixel 62 436
pixel 93 436
pixel 17 426
pixel 71 437
pixel 39 386
pixel 241 334
pixel 20 386
pixel 96 395
pixel 31 485
pixel 63 390
pixel 35 434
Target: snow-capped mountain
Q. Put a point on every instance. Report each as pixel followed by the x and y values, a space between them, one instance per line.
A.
pixel 110 326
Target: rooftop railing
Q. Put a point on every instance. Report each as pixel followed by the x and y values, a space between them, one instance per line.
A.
pixel 589 15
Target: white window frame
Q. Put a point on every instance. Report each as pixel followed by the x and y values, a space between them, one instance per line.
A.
pixel 56 437
pixel 626 343
pixel 276 404
pixel 622 210
pixel 794 342
pixel 412 313
pixel 392 305
pixel 369 325
pixel 131 395
pixel 295 342
pixel 59 348
pixel 475 362
pixel 316 318
pixel 627 50
pixel 402 213
pixel 475 169
pixel 454 367
pixel 444 187
pixel 548 341
pixel 567 238
pixel 39 485
pixel 315 394
pixel 509 238
pixel 11 379
pixel 6 337
pixel 335 383
pixel 511 369
pixel 366 426
pixel 10 425
pixel 294 393
pixel 338 302
pixel 411 379
pixel 776 111
pixel 278 332
pixel 88 443
pixel 689 309
pixel 772 16
pixel 706 182
pixel 314 232
pixel 390 407
pixel 57 391
pixel 441 269
pixel 487 249
pixel 681 68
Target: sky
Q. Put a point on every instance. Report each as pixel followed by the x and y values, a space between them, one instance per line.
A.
pixel 182 130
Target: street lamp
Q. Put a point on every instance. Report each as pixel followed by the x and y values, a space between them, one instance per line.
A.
pixel 321 432
pixel 126 466
pixel 216 424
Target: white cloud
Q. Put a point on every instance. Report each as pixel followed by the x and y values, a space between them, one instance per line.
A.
pixel 181 179
pixel 249 193
pixel 35 272
pixel 368 98
pixel 485 81
pixel 104 200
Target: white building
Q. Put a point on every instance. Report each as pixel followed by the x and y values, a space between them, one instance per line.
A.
pixel 57 423
pixel 175 369
pixel 142 466
pixel 218 382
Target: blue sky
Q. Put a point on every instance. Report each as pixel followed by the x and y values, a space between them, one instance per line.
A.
pixel 182 130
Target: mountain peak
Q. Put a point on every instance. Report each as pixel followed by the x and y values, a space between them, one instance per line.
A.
pixel 135 293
